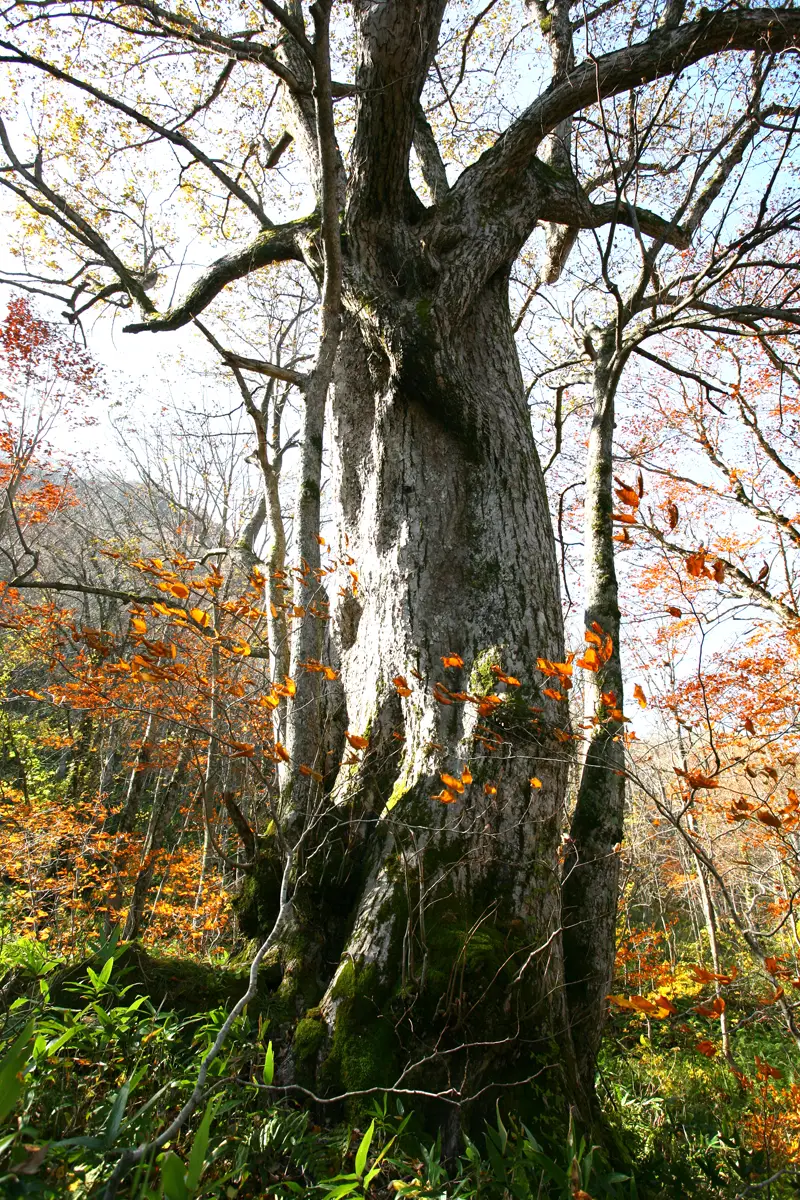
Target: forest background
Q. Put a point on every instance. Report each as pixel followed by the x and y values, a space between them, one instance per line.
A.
pixel 330 845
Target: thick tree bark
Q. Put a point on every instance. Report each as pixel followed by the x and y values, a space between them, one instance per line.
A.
pixel 427 924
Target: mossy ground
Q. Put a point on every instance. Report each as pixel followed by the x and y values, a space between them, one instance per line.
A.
pixel 182 984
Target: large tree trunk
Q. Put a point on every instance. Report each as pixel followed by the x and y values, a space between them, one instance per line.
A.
pixel 430 925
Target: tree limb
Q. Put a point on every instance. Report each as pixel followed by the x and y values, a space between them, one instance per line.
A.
pixel 397 44
pixel 754 591
pixel 430 158
pixel 281 244
pixel 504 181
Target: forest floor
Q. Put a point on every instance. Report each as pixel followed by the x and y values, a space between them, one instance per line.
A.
pixel 98 1055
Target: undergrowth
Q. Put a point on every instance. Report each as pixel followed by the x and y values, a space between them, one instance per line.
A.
pixel 93 1066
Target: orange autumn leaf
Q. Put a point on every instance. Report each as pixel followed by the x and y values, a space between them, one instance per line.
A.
pixel 673 611
pixel 715 1009
pixel 591 660
pixel 466 776
pixel 315 666
pixel 639 695
pixel 696 779
pixel 139 624
pixel 702 975
pixel 310 772
pixel 282 752
pixel 658 1007
pixel 707 1048
pixel 445 797
pixel 765 1071
pixel 357 741
pixel 242 749
pixel 792 804
pixel 672 515
pixel 562 670
pixel 165 611
pixel 624 518
pixel 451 782
pixel 179 590
pixel 627 495
pixel 552 693
pixel 535 782
pixel 695 563
pixel 490 789
pixel 200 617
pixel 401 685
pixel 508 680
pixel 452 660
pixel 719 571
pixel 769 819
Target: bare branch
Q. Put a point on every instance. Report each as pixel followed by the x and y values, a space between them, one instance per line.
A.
pixel 281 244
pixel 162 131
